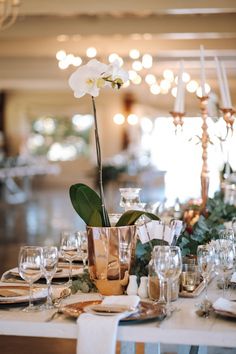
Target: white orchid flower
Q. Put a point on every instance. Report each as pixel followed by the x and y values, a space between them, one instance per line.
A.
pixel 116 74
pixel 88 79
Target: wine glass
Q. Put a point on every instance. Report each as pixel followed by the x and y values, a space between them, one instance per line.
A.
pixel 161 299
pixel 83 246
pixel 206 262
pixel 30 269
pixel 168 264
pixel 50 262
pixel 69 249
pixel 224 258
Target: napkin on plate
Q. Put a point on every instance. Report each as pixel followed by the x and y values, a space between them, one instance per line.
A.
pixel 96 333
pixel 233 278
pixel 225 305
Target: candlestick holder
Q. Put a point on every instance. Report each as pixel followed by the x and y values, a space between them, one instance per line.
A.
pixel 228 115
pixel 204 140
pixel 177 120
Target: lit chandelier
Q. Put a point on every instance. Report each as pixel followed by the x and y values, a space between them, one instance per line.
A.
pixel 9 10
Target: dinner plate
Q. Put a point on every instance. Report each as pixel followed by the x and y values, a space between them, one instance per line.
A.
pixel 108 310
pixel 12 294
pixel 62 273
pixel 146 311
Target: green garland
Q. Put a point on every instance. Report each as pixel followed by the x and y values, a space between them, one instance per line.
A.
pixel 83 283
pixel 208 225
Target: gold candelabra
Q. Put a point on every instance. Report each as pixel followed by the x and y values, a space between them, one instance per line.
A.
pixel 204 141
pixel 228 115
pixel 177 119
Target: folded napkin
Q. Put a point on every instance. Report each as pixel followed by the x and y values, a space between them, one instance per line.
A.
pixel 233 278
pixel 225 305
pixel 96 333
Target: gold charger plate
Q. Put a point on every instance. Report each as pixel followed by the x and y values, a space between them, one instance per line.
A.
pixel 12 294
pixel 146 311
pixel 61 273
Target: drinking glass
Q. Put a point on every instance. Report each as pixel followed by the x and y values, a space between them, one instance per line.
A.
pixel 206 262
pixel 30 269
pixel 50 262
pixel 129 198
pixel 161 299
pixel 168 264
pixel 228 234
pixel 83 246
pixel 224 258
pixel 69 249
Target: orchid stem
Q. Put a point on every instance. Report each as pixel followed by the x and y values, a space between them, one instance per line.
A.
pixel 99 163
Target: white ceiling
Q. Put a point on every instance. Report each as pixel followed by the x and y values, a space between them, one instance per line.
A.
pixel 169 30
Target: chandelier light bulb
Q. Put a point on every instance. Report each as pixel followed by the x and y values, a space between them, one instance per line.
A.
pixel 147 61
pixel 168 75
pixel 186 77
pixel 132 119
pixel 155 89
pixel 165 85
pixel 150 79
pixel 63 64
pixel 112 57
pixel 192 86
pixel 60 55
pixel 137 65
pixel 137 80
pixel 91 52
pixel 77 61
pixel 134 53
pixel 132 74
pixel 119 119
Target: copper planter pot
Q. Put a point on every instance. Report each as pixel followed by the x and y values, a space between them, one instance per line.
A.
pixel 111 251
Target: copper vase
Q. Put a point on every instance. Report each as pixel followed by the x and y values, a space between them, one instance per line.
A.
pixel 111 251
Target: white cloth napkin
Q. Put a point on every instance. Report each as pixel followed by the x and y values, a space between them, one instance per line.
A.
pixel 233 278
pixel 222 304
pixel 96 333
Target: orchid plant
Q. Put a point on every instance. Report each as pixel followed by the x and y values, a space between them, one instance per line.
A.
pixel 89 79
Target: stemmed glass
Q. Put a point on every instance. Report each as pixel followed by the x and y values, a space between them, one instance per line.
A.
pixel 224 258
pixel 206 263
pixel 161 299
pixel 69 249
pixel 30 269
pixel 168 264
pixel 50 262
pixel 83 246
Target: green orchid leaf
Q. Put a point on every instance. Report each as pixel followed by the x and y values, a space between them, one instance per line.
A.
pixel 87 204
pixel 131 216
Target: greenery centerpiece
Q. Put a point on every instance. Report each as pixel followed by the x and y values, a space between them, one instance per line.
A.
pixel 109 248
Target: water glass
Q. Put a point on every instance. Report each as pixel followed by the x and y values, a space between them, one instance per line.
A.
pixel 189 277
pixel 168 265
pixel 224 259
pixel 69 249
pixel 83 246
pixel 206 264
pixel 50 262
pixel 30 269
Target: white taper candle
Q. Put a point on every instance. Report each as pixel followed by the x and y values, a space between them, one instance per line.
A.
pixel 203 75
pixel 221 84
pixel 179 101
pixel 226 86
